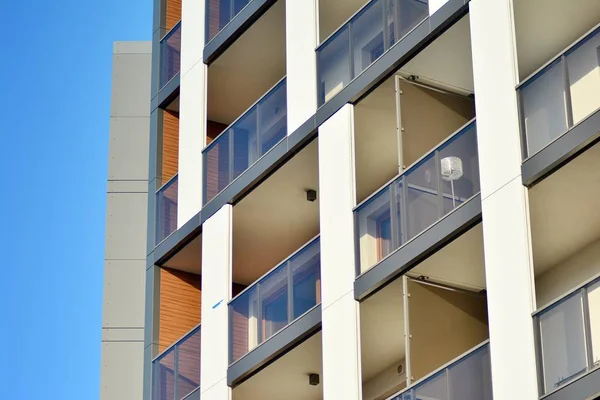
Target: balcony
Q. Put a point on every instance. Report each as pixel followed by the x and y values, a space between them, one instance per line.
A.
pixel 567 337
pixel 176 372
pixel 219 13
pixel 277 299
pixel 246 140
pixel 170 55
pixel 561 95
pixel 365 37
pixel 420 196
pixel 466 378
pixel 166 209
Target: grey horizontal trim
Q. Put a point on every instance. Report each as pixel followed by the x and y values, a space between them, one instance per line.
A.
pixel 558 153
pixel 373 76
pixel 235 28
pixel 583 388
pixel 168 93
pixel 420 248
pixel 274 347
pixel 195 395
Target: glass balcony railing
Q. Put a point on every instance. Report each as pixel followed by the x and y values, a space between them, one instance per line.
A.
pixel 176 372
pixel 166 209
pixel 219 13
pixel 245 141
pixel 467 378
pixel 560 95
pixel 424 193
pixel 275 300
pixel 170 54
pixel 568 334
pixel 364 38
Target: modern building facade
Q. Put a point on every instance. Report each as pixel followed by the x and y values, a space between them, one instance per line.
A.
pixel 384 199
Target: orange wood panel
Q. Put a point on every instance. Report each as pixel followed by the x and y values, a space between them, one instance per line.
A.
pixel 172 13
pixel 170 146
pixel 180 302
pixel 213 129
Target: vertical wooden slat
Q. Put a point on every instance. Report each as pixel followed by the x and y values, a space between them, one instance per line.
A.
pixel 170 150
pixel 173 13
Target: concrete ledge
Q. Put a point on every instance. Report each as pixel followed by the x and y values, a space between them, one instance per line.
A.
pixel 423 246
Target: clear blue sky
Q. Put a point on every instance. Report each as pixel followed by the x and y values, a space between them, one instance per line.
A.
pixel 55 65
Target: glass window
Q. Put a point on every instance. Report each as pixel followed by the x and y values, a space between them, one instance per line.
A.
pixel 593 294
pixel 374 230
pixel 188 378
pixel 584 77
pixel 244 323
pixel 434 388
pixel 273 291
pixel 306 277
pixel 563 342
pixel 470 378
pixel 367 36
pixel 333 61
pixel 273 118
pixel 164 377
pixel 245 144
pixel 166 209
pixel 217 165
pixel 422 208
pixel 410 14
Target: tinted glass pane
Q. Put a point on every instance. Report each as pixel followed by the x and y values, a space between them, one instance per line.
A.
pixel 216 176
pixel 422 208
pixel 273 302
pixel 171 55
pixel 166 210
pixel 584 77
pixel 273 118
pixel 374 230
pixel 367 36
pixel 459 166
pixel 470 378
pixel 306 278
pixel 434 388
pixel 245 145
pixel 164 377
pixel 188 377
pixel 563 342
pixel 594 304
pixel 218 14
pixel 333 61
pixel 544 108
pixel 409 14
pixel 238 5
pixel 244 323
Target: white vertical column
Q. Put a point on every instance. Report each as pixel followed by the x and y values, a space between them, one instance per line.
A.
pixel 341 324
pixel 506 231
pixel 216 292
pixel 192 110
pixel 301 40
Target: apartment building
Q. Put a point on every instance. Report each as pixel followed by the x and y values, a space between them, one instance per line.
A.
pixel 384 199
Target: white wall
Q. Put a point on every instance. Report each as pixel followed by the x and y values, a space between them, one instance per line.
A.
pixel 341 353
pixel 301 40
pixel 506 230
pixel 192 111
pixel 216 292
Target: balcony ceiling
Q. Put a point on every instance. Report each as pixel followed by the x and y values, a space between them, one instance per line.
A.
pixel 564 211
pixel 545 27
pixel 275 219
pixel 287 378
pixel 249 68
pixel 189 258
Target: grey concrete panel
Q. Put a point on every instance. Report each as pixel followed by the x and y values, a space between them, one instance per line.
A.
pixel 131 85
pixel 124 294
pixel 128 148
pixel 127 187
pixel 122 370
pixel 274 347
pixel 561 151
pixel 585 388
pixel 151 306
pixel 125 226
pixel 235 28
pixel 423 246
pixel 132 47
pixel 123 334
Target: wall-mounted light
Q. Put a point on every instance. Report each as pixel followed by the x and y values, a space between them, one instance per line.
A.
pixel 313 379
pixel 311 195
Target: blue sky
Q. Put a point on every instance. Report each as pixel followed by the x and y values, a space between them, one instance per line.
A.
pixel 55 64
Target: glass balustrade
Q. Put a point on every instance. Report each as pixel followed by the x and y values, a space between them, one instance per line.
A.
pixel 170 54
pixel 365 37
pixel 245 141
pixel 166 209
pixel 428 190
pixel 568 339
pixel 275 300
pixel 219 13
pixel 561 95
pixel 176 372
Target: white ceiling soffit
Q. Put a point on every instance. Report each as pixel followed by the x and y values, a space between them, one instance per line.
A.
pixel 189 258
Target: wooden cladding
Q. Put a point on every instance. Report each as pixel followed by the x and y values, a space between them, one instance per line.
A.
pixel 170 145
pixel 180 302
pixel 172 13
pixel 213 129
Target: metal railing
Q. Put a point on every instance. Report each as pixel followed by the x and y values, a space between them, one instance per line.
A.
pixel 170 55
pixel 561 94
pixel 566 332
pixel 279 297
pixel 362 39
pixel 166 209
pixel 176 371
pixel 245 141
pixel 420 196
